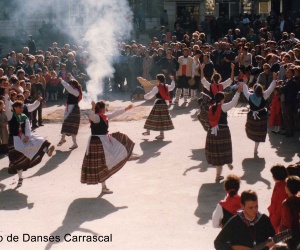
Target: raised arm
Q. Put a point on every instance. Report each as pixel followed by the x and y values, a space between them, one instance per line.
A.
pixel 206 84
pixel 119 112
pixel 67 86
pixel 33 106
pixel 227 106
pixel 151 94
pixel 271 88
pixel 172 85
pixel 94 117
pixel 245 88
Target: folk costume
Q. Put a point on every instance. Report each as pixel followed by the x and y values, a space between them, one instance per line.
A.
pixel 240 231
pixel 257 117
pixel 106 153
pixel 214 88
pixel 207 99
pixel 71 121
pixel 185 72
pixel 218 147
pixel 226 209
pixel 204 103
pixel 159 118
pixel 23 155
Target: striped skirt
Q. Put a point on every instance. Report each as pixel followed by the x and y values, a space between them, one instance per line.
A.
pixel 71 123
pixel 256 130
pixel 218 149
pixel 18 161
pixel 94 169
pixel 204 103
pixel 159 118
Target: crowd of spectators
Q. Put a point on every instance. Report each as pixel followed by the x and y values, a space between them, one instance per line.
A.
pixel 257 46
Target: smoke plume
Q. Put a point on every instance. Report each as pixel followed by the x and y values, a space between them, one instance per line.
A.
pixel 95 24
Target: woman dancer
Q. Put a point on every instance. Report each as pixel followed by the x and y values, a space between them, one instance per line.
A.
pixel 257 117
pixel 25 150
pixel 218 147
pixel 72 112
pixel 216 84
pixel 159 118
pixel 106 153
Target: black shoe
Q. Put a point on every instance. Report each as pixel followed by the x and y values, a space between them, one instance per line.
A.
pixel 41 124
pixel 34 126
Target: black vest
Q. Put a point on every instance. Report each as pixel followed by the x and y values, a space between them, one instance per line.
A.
pixel 158 96
pixel 100 128
pixel 13 126
pixel 72 99
pixel 226 216
pixel 223 118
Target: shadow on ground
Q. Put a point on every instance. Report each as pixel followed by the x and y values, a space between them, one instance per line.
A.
pixel 286 148
pixel 151 148
pixel 53 163
pixel 209 196
pixel 252 171
pixel 11 199
pixel 4 174
pixel 199 155
pixel 182 108
pixel 80 211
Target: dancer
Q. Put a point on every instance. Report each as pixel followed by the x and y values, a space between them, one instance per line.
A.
pixel 72 112
pixel 106 153
pixel 207 97
pixel 218 147
pixel 230 205
pixel 159 118
pixel 257 117
pixel 25 150
pixel 216 79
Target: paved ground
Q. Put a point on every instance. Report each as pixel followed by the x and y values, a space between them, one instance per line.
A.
pixel 164 200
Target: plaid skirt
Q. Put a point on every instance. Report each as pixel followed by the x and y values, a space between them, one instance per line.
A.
pixel 18 161
pixel 204 103
pixel 256 130
pixel 71 123
pixel 218 149
pixel 94 169
pixel 159 118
